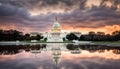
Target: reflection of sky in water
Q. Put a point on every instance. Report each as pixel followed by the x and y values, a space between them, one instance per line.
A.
pixel 44 60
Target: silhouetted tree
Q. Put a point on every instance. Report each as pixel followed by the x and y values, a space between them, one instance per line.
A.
pixel 38 37
pixel 91 35
pixel 13 35
pixel 71 37
pixel 27 37
pixel 100 33
pixel 45 39
pixel 101 36
pixel 63 39
pixel 8 35
pixel 82 38
pixel 116 35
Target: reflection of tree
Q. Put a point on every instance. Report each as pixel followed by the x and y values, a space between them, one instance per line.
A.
pixel 13 49
pixel 92 48
pixel 71 47
pixel 116 51
pixel 74 49
pixel 10 52
pixel 101 51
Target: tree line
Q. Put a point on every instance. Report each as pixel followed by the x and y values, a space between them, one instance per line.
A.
pixel 13 35
pixel 92 36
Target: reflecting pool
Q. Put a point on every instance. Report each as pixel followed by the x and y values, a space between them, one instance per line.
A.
pixel 59 56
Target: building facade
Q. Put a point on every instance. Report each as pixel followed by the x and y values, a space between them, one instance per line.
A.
pixel 55 35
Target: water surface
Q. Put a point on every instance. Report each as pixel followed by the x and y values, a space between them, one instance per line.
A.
pixel 59 56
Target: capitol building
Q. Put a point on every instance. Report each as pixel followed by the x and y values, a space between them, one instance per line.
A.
pixel 56 34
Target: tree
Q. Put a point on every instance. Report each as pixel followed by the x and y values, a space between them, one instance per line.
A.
pixel 82 37
pixel 63 39
pixel 45 39
pixel 17 35
pixel 71 37
pixel 100 33
pixel 116 35
pixel 27 37
pixel 1 35
pixel 38 37
pixel 10 35
pixel 91 34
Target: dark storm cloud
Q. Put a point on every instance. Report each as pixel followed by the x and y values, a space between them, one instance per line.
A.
pixel 19 16
pixel 97 16
pixel 10 13
pixel 74 13
pixel 42 4
pixel 13 12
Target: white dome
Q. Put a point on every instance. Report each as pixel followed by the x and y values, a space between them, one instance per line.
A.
pixel 56 25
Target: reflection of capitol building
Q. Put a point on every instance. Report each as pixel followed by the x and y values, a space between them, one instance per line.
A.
pixel 56 54
pixel 56 34
pixel 56 51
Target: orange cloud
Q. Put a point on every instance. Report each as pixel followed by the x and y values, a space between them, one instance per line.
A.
pixel 106 29
pixel 14 27
pixel 65 27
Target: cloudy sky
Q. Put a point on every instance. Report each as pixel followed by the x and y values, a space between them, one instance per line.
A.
pixel 73 15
